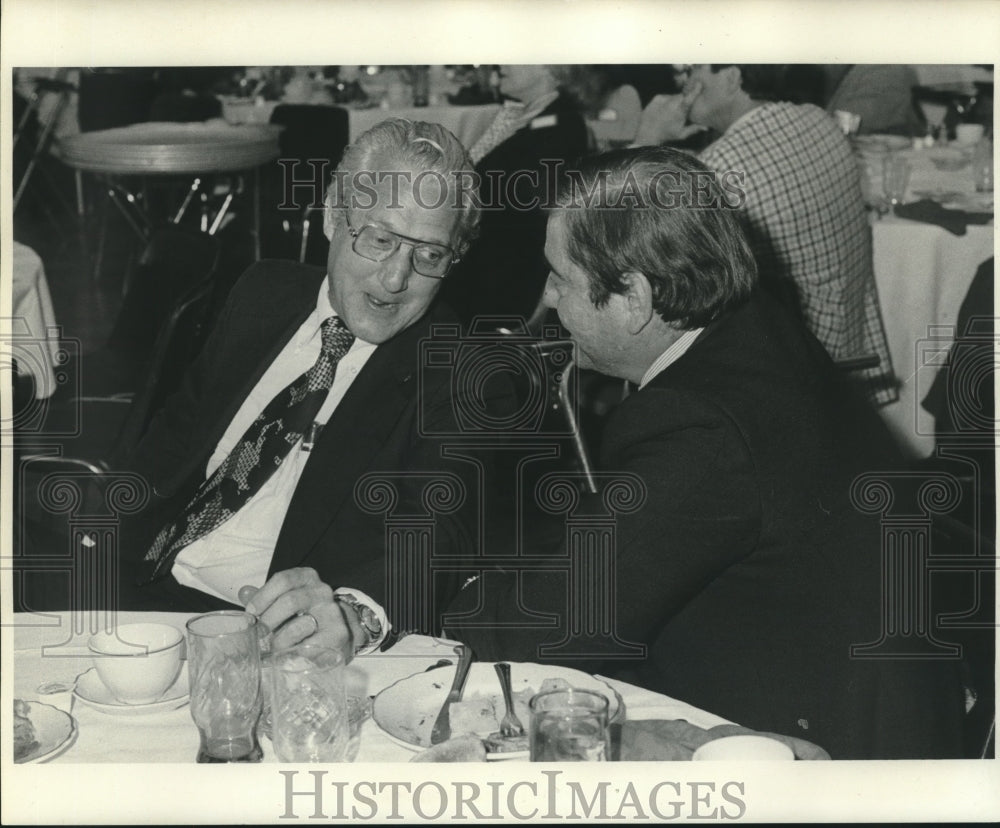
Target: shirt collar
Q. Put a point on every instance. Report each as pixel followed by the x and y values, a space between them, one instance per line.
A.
pixel 671 355
pixel 742 119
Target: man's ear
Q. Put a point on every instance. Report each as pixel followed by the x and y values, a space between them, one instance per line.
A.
pixel 638 297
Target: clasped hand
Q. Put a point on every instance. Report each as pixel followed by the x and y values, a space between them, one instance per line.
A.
pixel 301 609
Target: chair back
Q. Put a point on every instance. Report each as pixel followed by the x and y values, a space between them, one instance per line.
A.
pixel 179 341
pixel 175 261
pixel 166 315
pixel 315 135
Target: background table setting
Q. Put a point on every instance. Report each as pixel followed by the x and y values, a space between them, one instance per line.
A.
pixel 926 251
pixel 35 339
pixel 78 720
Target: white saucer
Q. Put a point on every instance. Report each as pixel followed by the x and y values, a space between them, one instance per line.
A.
pixel 92 691
pixel 55 732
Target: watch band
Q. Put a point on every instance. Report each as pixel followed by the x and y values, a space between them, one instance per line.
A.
pixel 366 615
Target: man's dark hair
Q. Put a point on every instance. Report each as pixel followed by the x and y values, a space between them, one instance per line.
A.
pixel 797 83
pixel 680 233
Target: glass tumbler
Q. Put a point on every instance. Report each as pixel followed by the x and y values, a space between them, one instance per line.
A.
pixel 569 726
pixel 895 179
pixel 309 712
pixel 224 672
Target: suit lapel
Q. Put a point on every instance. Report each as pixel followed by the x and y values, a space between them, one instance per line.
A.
pixel 358 429
pixel 255 344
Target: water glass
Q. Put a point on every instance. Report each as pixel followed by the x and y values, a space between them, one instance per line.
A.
pixel 224 672
pixel 895 178
pixel 309 713
pixel 569 726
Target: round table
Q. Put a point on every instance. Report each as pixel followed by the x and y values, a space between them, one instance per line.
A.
pixel 923 273
pixel 165 149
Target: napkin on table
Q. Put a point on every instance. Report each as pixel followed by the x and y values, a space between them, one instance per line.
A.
pixel 930 212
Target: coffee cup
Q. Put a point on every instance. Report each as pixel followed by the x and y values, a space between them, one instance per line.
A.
pixel 138 662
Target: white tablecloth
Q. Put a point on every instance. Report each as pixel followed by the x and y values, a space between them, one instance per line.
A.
pixel 923 273
pixel 34 336
pixel 171 736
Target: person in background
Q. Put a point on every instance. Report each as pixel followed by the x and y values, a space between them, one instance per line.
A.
pixel 881 94
pixel 744 570
pixel 539 127
pixel 801 197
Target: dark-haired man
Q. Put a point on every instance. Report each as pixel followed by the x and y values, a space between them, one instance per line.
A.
pixel 803 202
pixel 748 573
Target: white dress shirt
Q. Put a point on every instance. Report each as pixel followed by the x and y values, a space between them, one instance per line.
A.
pixel 671 355
pixel 239 552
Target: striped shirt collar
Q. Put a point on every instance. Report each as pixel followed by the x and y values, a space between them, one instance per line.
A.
pixel 671 355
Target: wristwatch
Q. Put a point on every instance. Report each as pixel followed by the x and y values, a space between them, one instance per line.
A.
pixel 366 615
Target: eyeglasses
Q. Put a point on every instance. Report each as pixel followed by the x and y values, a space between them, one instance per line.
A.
pixel 377 244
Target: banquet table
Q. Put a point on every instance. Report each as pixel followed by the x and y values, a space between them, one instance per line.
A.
pixel 52 648
pixel 34 335
pixel 923 272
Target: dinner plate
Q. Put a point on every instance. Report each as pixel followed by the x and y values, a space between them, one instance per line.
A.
pixel 92 691
pixel 406 710
pixel 55 732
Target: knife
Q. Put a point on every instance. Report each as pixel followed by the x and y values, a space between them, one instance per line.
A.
pixel 441 731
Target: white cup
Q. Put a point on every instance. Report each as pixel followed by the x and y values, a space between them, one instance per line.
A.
pixel 968 134
pixel 746 748
pixel 138 662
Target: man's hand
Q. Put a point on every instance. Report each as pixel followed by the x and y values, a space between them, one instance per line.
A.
pixel 300 608
pixel 665 118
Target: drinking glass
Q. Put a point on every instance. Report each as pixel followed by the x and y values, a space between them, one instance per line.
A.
pixel 224 671
pixel 895 178
pixel 309 713
pixel 569 726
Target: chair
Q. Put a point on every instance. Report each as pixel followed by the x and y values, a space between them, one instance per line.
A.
pixel 162 325
pixel 315 136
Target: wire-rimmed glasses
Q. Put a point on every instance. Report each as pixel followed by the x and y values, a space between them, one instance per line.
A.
pixel 377 244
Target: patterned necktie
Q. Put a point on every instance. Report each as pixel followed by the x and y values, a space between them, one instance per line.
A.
pixel 257 455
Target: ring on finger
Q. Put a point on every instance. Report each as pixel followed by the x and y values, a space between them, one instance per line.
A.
pixel 312 618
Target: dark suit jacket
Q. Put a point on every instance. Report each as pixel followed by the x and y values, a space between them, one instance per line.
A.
pixel 377 427
pixel 504 271
pixel 748 574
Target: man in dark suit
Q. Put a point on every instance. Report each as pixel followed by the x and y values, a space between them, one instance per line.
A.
pixel 748 573
pixel 234 519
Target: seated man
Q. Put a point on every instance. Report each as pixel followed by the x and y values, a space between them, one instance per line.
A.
pixel 308 382
pixel 801 196
pixel 748 573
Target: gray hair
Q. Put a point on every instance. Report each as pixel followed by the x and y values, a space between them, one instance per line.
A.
pixel 401 144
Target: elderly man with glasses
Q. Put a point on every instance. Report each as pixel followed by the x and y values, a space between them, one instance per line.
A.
pixel 310 381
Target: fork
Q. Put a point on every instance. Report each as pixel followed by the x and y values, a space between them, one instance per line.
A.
pixel 510 725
